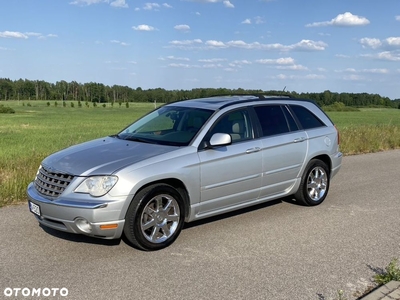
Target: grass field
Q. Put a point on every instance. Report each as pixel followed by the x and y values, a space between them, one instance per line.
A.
pixel 36 130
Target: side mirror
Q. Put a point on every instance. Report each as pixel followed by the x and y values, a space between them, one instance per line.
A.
pixel 220 139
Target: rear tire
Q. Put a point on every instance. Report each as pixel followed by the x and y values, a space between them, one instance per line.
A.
pixel 154 218
pixel 314 184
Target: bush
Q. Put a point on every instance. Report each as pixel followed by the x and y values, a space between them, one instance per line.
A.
pixel 72 104
pixel 55 103
pixel 79 103
pixel 127 104
pixel 6 110
pixel 94 104
pixel 339 106
pixel 104 105
pixel 48 104
pixel 29 105
pixel 64 104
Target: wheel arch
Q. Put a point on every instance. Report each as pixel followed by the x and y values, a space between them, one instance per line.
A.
pixel 177 185
pixel 326 159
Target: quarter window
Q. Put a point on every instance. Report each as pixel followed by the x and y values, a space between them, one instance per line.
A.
pixel 306 118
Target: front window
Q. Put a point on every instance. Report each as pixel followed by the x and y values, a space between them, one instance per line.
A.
pixel 168 125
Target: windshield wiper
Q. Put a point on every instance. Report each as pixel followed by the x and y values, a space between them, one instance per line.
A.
pixel 141 140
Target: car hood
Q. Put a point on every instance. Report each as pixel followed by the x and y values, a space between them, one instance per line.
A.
pixel 101 156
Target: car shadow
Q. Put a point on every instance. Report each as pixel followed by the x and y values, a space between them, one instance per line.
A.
pixel 79 238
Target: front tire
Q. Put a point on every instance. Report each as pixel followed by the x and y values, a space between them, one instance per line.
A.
pixel 314 184
pixel 155 217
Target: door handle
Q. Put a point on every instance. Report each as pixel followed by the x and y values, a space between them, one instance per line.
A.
pixel 299 140
pixel 252 150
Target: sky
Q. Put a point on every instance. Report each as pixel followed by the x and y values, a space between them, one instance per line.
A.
pixel 298 45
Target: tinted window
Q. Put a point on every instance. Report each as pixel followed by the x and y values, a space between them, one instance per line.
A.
pixel 272 119
pixel 306 118
pixel 291 122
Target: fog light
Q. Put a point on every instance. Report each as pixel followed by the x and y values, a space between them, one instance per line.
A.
pixel 83 225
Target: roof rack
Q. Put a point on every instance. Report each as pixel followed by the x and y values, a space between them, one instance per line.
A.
pixel 259 96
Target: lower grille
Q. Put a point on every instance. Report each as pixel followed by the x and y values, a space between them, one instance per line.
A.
pixel 51 185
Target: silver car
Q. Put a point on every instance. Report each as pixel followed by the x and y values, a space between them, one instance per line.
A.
pixel 186 161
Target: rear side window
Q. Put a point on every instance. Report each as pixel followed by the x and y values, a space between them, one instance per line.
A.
pixel 306 118
pixel 272 119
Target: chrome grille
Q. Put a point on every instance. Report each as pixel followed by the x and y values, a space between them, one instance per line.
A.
pixel 51 184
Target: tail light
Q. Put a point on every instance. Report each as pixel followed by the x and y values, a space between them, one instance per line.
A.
pixel 338 135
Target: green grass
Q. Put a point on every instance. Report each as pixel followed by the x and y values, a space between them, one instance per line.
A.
pixel 36 130
pixel 368 130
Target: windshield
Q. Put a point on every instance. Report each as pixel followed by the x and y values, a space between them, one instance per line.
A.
pixel 168 125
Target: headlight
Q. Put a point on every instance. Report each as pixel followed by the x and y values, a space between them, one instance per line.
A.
pixel 97 186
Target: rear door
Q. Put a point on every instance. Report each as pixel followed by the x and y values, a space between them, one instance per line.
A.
pixel 284 149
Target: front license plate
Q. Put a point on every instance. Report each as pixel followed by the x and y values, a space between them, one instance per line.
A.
pixel 34 208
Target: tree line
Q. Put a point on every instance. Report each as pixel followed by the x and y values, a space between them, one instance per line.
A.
pixel 24 89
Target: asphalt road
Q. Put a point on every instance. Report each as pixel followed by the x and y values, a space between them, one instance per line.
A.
pixel 274 251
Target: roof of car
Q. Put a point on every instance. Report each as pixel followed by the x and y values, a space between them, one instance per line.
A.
pixel 219 102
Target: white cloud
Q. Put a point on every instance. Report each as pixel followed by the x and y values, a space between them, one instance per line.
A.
pixel 228 4
pixel 166 5
pixel 397 18
pixel 151 6
pixel 346 19
pixel 242 62
pixel 303 45
pixel 119 43
pixel 132 62
pixel 182 27
pixel 186 42
pixel 13 34
pixel 342 56
pixel 212 66
pixel 216 44
pixel 376 71
pixel 247 21
pixel 279 61
pixel 197 13
pixel 51 35
pixel 119 3
pixel 308 76
pixel 87 2
pixel 385 55
pixel 371 43
pixel 171 57
pixel 258 20
pixel 293 67
pixel 393 41
pixel 212 60
pixel 373 71
pixel 353 77
pixel 390 42
pixel 314 76
pixel 144 27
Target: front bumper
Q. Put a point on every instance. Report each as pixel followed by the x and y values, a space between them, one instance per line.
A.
pixel 65 215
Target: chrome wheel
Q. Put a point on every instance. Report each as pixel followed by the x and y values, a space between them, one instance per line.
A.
pixel 160 218
pixel 317 183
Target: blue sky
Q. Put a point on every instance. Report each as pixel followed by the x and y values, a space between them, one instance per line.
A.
pixel 307 46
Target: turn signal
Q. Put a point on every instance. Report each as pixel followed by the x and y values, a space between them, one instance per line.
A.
pixel 108 226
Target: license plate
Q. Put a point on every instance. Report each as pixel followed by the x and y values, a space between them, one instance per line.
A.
pixel 34 208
